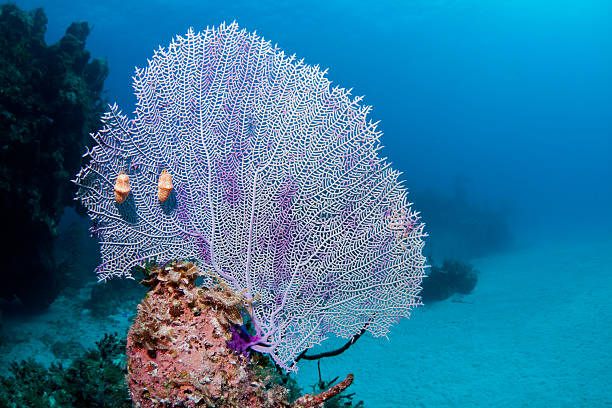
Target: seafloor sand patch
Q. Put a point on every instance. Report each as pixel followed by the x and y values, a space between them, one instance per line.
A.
pixel 62 332
pixel 536 332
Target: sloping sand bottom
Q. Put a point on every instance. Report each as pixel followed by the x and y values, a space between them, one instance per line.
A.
pixel 62 332
pixel 536 332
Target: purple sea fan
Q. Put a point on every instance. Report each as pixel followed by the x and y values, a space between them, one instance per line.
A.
pixel 278 189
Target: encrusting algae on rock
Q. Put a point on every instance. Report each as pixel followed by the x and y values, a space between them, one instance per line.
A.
pixel 188 348
pixel 177 349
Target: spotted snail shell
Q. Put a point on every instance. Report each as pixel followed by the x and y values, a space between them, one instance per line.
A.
pixel 164 187
pixel 122 187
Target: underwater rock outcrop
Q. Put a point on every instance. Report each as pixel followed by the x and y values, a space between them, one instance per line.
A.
pixel 188 347
pixel 453 276
pixel 50 98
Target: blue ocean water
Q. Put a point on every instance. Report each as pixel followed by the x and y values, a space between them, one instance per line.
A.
pixel 511 98
pixel 499 115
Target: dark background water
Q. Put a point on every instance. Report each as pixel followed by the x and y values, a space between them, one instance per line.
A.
pixel 504 106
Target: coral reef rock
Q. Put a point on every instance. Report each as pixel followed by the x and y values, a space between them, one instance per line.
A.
pixel 181 349
pixel 178 352
pixel 442 282
pixel 50 98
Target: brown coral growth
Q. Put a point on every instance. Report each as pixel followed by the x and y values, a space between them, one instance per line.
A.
pixel 318 400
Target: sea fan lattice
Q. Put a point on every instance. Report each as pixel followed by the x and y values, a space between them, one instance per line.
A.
pixel 278 189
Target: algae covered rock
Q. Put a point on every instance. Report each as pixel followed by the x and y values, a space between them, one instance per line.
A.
pixel 189 347
pixel 179 348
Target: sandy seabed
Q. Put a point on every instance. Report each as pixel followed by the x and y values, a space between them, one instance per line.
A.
pixel 536 332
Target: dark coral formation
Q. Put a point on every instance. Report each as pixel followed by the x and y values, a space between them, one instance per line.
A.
pixel 94 380
pixel 454 276
pixel 50 98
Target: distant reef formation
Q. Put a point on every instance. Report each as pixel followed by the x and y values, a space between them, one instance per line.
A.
pixel 462 227
pixel 50 99
pixel 443 281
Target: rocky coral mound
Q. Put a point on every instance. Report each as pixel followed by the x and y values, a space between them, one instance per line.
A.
pixel 188 348
pixel 50 99
pixel 178 352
